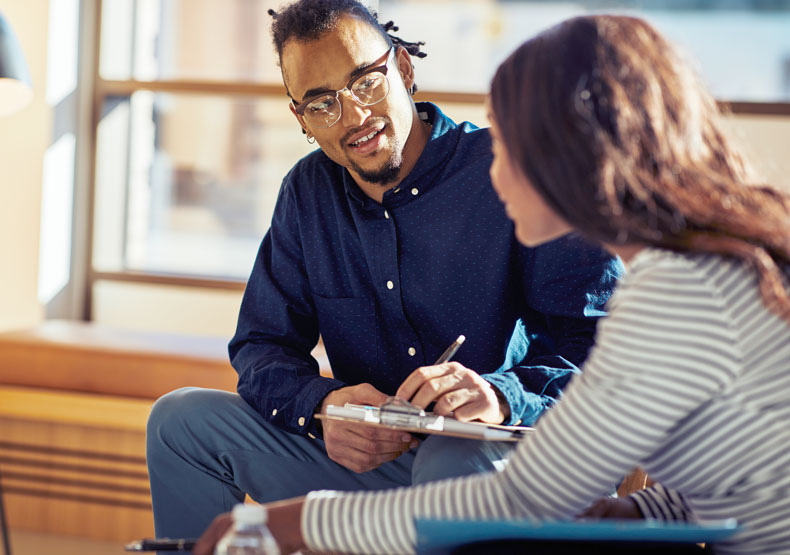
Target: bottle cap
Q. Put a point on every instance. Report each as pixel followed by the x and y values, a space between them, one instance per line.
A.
pixel 249 514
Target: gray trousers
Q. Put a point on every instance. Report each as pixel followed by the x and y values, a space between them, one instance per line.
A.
pixel 207 448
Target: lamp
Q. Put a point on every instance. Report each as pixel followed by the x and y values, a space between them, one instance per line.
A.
pixel 16 88
pixel 16 91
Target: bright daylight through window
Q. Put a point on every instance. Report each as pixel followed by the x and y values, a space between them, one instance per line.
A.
pixel 190 155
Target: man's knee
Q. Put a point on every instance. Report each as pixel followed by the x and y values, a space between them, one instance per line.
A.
pixel 170 407
pixel 175 413
pixel 441 457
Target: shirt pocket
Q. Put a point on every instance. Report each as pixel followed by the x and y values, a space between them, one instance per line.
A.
pixel 351 337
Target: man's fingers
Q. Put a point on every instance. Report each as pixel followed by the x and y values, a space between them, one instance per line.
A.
pixel 417 378
pixel 381 434
pixel 362 461
pixel 360 448
pixel 472 410
pixel 435 388
pixel 337 429
pixel 362 394
pixel 372 447
pixel 380 441
pixel 366 394
pixel 459 401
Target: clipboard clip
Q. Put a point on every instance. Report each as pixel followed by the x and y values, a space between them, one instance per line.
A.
pixel 399 412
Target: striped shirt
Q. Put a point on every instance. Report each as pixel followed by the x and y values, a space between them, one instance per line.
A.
pixel 689 378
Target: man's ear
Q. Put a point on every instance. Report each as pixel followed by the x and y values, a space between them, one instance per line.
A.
pixel 405 67
pixel 298 118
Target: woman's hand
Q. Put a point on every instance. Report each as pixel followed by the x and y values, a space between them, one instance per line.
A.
pixel 284 520
pixel 612 507
pixel 208 540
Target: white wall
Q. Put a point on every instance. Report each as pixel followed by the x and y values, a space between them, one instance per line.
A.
pixel 765 142
pixel 24 138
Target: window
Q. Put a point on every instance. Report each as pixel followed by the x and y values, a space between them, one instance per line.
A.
pixel 193 140
pixel 194 135
pixel 742 46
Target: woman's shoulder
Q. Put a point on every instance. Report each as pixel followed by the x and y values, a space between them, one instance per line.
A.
pixel 685 281
pixel 685 267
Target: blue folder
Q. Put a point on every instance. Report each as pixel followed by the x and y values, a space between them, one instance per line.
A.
pixel 441 536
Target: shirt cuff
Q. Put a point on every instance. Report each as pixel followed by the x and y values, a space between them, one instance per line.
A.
pixel 300 419
pixel 525 407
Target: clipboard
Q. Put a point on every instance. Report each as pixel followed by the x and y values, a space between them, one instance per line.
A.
pixel 400 415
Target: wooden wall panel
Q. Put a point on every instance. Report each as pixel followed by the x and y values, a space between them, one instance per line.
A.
pixel 63 476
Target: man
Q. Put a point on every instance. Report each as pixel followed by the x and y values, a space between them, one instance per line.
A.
pixel 389 242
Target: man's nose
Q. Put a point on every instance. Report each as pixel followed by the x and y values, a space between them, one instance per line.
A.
pixel 353 113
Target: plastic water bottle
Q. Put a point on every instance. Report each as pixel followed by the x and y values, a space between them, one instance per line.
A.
pixel 249 534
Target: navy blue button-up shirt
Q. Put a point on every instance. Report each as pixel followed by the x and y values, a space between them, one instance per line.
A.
pixel 389 286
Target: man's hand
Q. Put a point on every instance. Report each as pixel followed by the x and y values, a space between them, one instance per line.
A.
pixel 613 507
pixel 358 447
pixel 283 520
pixel 455 389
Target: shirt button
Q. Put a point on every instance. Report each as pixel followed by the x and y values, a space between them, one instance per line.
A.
pixel 274 412
pixel 412 351
pixel 301 420
pixel 415 191
pixel 390 285
pixel 386 214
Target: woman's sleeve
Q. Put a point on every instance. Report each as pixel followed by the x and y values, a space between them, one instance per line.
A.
pixel 660 503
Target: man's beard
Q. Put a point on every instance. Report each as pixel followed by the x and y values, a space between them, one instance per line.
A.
pixel 382 176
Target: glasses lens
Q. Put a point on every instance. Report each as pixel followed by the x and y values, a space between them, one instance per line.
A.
pixel 370 88
pixel 323 111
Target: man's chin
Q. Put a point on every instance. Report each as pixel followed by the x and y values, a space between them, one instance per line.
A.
pixel 382 175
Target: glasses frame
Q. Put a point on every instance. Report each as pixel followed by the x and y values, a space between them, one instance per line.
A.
pixel 376 67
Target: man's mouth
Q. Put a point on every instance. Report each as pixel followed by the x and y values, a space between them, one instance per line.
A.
pixel 367 140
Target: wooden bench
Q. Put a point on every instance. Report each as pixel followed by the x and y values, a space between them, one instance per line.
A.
pixel 74 401
pixel 87 358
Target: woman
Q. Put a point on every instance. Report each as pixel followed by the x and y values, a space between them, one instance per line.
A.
pixel 598 127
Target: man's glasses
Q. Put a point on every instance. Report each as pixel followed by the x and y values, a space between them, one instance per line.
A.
pixel 367 88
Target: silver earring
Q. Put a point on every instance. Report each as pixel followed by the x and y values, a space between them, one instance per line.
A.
pixel 311 139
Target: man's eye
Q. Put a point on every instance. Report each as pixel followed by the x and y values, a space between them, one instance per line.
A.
pixel 368 82
pixel 321 105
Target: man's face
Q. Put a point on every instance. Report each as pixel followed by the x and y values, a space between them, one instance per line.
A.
pixel 367 140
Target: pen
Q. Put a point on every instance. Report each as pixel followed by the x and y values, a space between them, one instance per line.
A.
pixel 162 544
pixel 448 354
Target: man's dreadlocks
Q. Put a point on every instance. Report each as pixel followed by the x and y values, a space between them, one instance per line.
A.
pixel 306 20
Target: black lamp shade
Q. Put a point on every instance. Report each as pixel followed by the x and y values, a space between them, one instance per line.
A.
pixel 16 88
